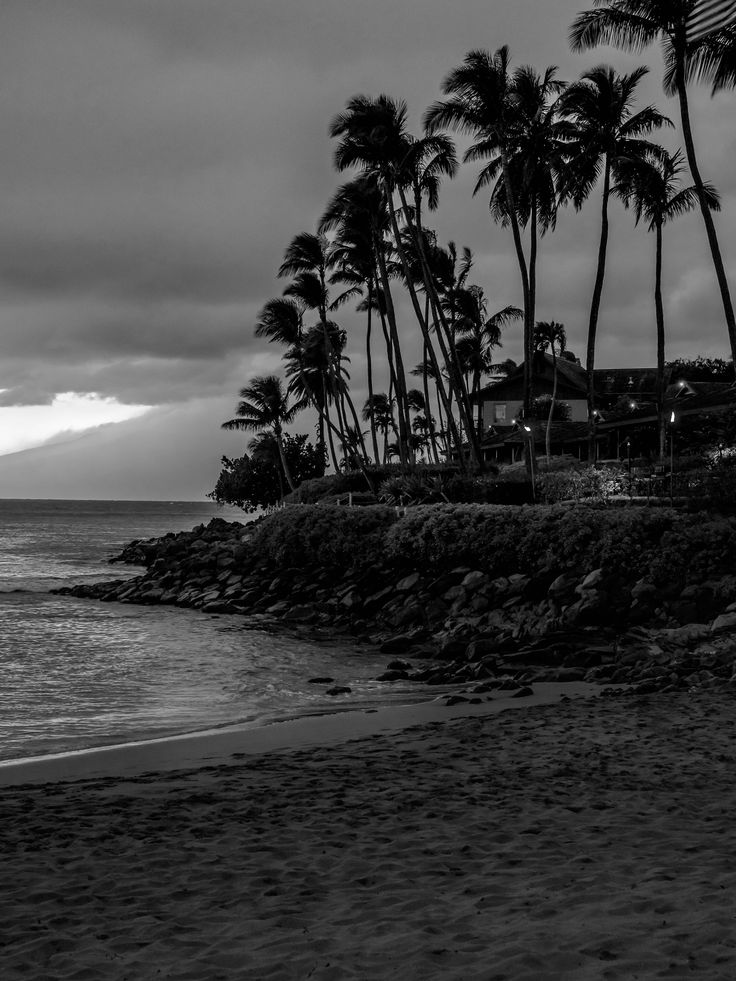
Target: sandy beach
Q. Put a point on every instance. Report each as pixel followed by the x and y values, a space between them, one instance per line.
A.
pixel 588 839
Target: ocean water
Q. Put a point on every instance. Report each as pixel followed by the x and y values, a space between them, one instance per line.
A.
pixel 78 673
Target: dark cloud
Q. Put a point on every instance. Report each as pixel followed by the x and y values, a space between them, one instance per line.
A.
pixel 159 156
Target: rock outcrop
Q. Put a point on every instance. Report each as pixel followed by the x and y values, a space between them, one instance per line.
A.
pixel 457 627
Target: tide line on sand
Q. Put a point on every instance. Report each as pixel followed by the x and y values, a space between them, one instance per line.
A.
pixel 217 746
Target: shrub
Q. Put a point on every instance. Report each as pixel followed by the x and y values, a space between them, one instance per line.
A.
pixel 662 545
pixel 588 483
pixel 326 535
pixel 258 481
pixel 505 540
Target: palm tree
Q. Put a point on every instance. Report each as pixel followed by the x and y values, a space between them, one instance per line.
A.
pixel 655 192
pixel 608 134
pixel 380 408
pixel 425 371
pixel 550 334
pixel 481 103
pixel 265 405
pixel 536 161
pixel 309 259
pixel 716 59
pixel 281 320
pixel 479 334
pixel 373 137
pixel 362 201
pixel 634 24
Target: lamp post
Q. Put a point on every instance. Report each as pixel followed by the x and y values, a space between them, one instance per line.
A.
pixel 532 462
pixel 628 460
pixel 672 458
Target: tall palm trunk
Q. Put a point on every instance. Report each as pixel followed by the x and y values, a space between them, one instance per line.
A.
pixel 282 456
pixel 479 401
pixel 418 312
pixel 710 227
pixel 524 272
pixel 659 308
pixel 548 433
pixel 340 411
pixel 389 349
pixel 529 353
pixel 430 420
pixel 330 425
pixel 322 411
pixel 455 381
pixel 369 367
pixel 399 373
pixel 595 308
pixel 356 422
pixel 333 366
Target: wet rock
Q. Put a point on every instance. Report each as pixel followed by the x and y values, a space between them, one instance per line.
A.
pixel 339 690
pixel 524 692
pixel 452 648
pixel 408 583
pixel 474 580
pixel 481 648
pixel 725 623
pixel 320 681
pixel 301 612
pixel 396 645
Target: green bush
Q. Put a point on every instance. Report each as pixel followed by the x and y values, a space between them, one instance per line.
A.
pixel 662 545
pixel 505 540
pixel 326 535
pixel 582 484
pixel 258 481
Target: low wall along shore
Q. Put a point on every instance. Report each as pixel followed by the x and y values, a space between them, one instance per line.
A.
pixel 480 596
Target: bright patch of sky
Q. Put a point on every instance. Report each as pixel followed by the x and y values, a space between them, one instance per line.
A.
pixel 25 426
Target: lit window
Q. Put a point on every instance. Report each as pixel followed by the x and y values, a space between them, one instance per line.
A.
pixel 500 410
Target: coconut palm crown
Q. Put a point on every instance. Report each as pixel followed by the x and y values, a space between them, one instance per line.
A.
pixel 265 405
pixel 634 24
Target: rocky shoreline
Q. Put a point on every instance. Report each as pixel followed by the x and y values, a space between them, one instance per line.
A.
pixel 460 627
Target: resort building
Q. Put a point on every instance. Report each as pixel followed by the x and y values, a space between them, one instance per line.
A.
pixel 625 401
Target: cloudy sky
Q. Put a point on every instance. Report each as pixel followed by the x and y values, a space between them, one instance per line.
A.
pixel 158 156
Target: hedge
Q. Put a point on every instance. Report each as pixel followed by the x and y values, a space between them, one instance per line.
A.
pixel 662 545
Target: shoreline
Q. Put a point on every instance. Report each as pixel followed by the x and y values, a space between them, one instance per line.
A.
pixel 583 840
pixel 224 744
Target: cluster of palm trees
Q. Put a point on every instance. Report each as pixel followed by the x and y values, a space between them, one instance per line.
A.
pixel 541 144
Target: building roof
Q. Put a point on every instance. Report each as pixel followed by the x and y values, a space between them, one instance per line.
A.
pixel 571 379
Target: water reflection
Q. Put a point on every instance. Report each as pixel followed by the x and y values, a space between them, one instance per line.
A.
pixel 93 674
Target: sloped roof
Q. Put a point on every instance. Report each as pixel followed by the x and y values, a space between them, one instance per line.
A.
pixel 570 377
pixel 607 381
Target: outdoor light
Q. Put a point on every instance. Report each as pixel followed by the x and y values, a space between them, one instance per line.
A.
pixel 632 405
pixel 528 428
pixel 672 418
